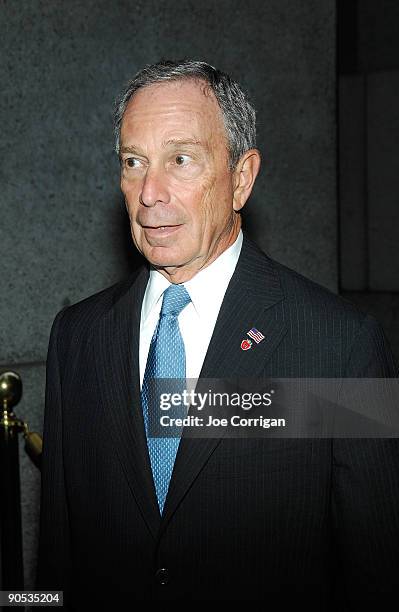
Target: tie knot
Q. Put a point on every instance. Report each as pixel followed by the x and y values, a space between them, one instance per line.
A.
pixel 175 298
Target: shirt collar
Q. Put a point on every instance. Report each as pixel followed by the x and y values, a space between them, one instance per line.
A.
pixel 157 284
pixel 206 288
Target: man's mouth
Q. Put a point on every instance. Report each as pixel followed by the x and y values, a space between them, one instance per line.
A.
pixel 160 230
pixel 158 226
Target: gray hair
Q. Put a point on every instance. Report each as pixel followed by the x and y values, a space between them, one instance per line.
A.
pixel 237 112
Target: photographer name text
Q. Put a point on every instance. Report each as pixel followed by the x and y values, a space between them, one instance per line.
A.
pixel 233 421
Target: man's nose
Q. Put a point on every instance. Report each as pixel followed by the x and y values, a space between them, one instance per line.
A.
pixel 155 187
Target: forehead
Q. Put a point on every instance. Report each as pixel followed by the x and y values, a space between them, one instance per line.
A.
pixel 187 107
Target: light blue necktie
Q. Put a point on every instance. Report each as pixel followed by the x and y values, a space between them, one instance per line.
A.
pixel 166 359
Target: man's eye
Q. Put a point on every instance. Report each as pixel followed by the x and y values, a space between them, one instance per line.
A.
pixel 132 162
pixel 182 160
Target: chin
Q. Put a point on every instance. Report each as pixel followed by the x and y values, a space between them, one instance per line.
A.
pixel 160 257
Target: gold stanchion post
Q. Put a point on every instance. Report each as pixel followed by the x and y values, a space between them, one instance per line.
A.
pixel 10 502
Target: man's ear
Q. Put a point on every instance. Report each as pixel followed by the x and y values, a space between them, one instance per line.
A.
pixel 244 176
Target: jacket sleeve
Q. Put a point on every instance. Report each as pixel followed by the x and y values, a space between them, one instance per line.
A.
pixel 54 534
pixel 365 488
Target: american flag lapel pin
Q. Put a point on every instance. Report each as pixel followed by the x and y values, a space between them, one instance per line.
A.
pixel 255 334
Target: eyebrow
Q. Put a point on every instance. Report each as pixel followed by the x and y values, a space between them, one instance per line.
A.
pixel 183 141
pixel 173 141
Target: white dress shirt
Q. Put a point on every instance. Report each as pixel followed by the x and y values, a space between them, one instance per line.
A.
pixel 197 320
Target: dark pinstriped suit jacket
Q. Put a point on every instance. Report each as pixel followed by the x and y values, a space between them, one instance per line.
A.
pixel 277 520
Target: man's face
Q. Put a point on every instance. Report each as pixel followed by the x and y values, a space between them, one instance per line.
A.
pixel 175 177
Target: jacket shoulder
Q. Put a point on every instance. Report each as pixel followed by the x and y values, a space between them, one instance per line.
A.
pixel 76 320
pixel 302 297
pixel 326 321
pixel 302 291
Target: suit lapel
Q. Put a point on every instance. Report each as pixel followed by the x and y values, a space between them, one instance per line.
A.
pixel 117 365
pixel 254 288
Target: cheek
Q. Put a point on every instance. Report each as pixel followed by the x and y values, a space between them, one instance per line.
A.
pixel 217 202
pixel 191 200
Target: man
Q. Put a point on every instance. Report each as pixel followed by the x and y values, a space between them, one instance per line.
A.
pixel 126 516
